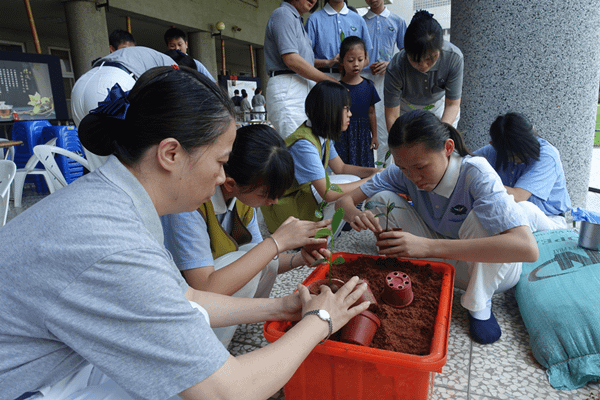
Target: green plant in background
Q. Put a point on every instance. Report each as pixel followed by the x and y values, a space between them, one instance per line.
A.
pixel 328 233
pixel 369 205
pixel 328 186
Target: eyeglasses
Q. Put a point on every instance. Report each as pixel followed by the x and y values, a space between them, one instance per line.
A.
pixel 347 108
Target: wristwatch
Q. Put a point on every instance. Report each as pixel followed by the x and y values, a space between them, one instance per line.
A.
pixel 324 315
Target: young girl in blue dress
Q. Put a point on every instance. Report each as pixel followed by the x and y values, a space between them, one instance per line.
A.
pixel 355 146
pixel 461 214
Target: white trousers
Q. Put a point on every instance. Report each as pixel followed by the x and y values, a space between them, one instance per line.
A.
pixel 285 98
pixel 538 221
pixel 480 280
pixel 89 383
pixel 260 110
pixel 259 287
pixel 92 88
pixel 382 132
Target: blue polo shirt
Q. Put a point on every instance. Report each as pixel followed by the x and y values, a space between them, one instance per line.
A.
pixel 186 234
pixel 469 183
pixel 387 32
pixel 325 28
pixel 285 34
pixel 308 165
pixel 544 179
pixel 202 69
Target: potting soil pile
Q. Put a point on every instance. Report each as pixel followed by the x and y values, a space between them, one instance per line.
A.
pixel 406 330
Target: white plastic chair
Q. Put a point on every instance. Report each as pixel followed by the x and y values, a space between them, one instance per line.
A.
pixel 30 169
pixel 8 169
pixel 9 153
pixel 45 153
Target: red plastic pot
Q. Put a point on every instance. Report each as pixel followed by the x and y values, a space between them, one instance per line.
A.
pixel 315 287
pixel 397 290
pixel 361 329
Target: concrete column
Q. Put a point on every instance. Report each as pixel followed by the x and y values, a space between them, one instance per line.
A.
pixel 88 34
pixel 202 47
pixel 537 57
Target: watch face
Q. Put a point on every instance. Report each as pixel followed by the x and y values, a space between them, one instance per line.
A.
pixel 323 314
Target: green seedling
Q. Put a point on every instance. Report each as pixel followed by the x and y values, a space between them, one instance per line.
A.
pixel 328 186
pixel 383 164
pixel 387 209
pixel 328 233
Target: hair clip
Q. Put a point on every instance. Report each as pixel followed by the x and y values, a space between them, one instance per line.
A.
pixel 175 66
pixel 115 105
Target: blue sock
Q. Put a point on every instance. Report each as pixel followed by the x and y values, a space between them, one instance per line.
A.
pixel 485 331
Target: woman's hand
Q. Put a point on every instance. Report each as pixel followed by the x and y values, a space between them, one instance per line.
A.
pixel 365 220
pixel 405 244
pixel 374 143
pixel 338 305
pixel 315 254
pixel 294 233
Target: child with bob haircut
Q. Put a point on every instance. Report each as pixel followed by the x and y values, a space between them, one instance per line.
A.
pixel 461 214
pixel 530 169
pixel 328 110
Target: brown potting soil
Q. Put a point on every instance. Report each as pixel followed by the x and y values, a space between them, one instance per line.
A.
pixel 406 330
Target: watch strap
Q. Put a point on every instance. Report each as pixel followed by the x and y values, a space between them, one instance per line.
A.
pixel 316 312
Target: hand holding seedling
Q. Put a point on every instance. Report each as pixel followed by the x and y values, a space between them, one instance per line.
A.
pixel 294 233
pixel 387 209
pixel 406 245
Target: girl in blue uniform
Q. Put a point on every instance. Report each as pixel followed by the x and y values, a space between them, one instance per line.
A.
pixel 454 196
pixel 355 146
pixel 530 169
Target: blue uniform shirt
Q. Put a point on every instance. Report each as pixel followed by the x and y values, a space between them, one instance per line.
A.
pixel 470 183
pixel 308 164
pixel 386 31
pixel 325 28
pixel 544 179
pixel 202 69
pixel 186 234
pixel 285 34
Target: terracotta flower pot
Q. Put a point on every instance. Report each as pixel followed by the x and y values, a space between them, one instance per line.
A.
pixel 397 290
pixel 377 234
pixel 360 329
pixel 315 287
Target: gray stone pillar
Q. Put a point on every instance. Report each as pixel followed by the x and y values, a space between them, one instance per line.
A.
pixel 537 57
pixel 202 47
pixel 88 34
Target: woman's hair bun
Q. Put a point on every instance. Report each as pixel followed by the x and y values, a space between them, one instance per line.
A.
pixel 97 133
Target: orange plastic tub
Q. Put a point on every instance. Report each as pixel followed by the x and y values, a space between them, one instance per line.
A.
pixel 336 370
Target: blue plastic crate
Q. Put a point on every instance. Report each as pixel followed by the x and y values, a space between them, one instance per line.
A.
pixel 67 138
pixel 30 133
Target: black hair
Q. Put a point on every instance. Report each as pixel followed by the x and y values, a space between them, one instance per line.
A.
pixel 244 94
pixel 236 91
pixel 164 103
pixel 257 91
pixel 324 107
pixel 514 139
pixel 181 59
pixel 119 36
pixel 260 158
pixel 423 36
pixel 420 126
pixel 174 33
pixel 349 43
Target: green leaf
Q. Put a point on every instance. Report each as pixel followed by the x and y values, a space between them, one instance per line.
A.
pixel 335 188
pixel 373 204
pixel 380 215
pixel 36 109
pixel 428 107
pixel 390 207
pixel 388 154
pixel 342 36
pixel 338 261
pixel 321 261
pixel 337 218
pixel 323 232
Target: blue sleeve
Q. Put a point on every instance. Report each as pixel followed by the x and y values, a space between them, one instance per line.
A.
pixel 254 229
pixel 374 95
pixel 203 70
pixel 390 179
pixel 186 237
pixel 311 31
pixel 308 166
pixel 540 176
pixel 488 152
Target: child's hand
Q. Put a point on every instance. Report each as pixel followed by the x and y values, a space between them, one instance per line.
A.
pixel 374 143
pixel 379 68
pixel 405 245
pixel 366 220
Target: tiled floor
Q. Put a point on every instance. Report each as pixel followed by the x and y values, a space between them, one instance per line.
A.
pixel 503 370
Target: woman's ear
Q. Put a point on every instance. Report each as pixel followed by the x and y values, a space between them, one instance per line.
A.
pixel 169 153
pixel 449 147
pixel 229 185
